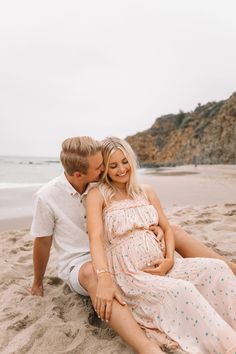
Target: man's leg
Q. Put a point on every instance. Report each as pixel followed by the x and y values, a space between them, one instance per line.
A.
pixel 188 246
pixel 122 320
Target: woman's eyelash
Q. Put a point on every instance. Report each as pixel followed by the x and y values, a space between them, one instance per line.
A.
pixel 114 166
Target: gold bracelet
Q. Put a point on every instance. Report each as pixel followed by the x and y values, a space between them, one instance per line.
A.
pixel 101 271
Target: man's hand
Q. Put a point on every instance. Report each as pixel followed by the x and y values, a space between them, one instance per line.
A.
pixel 106 293
pixel 159 236
pixel 160 266
pixel 41 252
pixel 36 289
pixel 157 231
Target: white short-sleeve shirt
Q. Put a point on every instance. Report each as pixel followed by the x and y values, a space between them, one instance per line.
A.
pixel 60 212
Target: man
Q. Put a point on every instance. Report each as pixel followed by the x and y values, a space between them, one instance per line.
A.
pixel 59 218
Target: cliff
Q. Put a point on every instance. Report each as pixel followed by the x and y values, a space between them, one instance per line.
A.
pixel 205 136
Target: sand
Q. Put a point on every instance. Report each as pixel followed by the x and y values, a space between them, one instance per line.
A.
pixel 63 321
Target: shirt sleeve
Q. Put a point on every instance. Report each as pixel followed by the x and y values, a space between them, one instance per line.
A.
pixel 43 219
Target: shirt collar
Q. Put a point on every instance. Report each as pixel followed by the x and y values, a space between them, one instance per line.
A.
pixel 72 190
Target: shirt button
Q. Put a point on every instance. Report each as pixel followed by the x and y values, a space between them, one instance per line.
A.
pixel 85 216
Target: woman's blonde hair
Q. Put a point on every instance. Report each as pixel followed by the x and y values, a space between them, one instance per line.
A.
pixel 75 152
pixel 109 146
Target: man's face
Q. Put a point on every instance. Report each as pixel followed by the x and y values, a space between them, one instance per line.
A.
pixel 95 169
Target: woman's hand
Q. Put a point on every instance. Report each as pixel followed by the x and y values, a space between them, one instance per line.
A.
pixel 160 266
pixel 106 293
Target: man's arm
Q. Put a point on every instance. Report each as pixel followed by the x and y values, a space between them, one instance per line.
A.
pixel 161 266
pixel 41 252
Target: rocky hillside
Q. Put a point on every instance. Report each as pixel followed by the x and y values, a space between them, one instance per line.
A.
pixel 205 136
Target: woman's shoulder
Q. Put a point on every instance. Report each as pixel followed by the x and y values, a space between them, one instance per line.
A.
pixel 94 192
pixel 147 189
pixel 99 192
pixel 150 193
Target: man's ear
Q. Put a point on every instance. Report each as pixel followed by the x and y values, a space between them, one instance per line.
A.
pixel 78 174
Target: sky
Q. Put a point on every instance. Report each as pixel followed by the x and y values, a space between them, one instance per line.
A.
pixel 107 67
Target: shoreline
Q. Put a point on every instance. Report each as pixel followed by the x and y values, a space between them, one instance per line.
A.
pixel 175 186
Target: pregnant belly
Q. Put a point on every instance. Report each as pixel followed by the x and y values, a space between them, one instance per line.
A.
pixel 133 252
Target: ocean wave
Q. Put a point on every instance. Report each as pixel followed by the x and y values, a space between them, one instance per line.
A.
pixel 7 185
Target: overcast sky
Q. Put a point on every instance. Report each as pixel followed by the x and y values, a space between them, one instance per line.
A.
pixel 104 67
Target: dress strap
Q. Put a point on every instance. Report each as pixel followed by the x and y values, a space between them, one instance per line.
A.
pixel 102 189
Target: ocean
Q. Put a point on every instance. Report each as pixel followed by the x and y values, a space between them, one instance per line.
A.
pixel 17 171
pixel 23 171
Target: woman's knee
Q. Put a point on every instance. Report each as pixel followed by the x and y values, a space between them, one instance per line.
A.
pixel 175 228
pixel 217 264
pixel 179 235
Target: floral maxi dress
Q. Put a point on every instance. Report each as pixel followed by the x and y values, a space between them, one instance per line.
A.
pixel 194 304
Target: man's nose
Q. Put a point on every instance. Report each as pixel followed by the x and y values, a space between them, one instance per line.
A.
pixel 102 167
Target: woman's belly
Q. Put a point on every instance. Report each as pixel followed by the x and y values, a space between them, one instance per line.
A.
pixel 133 252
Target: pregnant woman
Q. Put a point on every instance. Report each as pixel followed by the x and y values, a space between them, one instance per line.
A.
pixel 192 301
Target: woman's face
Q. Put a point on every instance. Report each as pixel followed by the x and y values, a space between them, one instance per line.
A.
pixel 119 168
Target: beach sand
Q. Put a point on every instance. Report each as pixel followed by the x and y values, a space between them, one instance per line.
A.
pixel 203 203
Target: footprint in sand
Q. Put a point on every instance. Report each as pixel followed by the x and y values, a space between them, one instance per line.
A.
pixel 24 343
pixel 53 281
pixel 21 324
pixel 221 252
pixel 205 221
pixel 226 228
pixel 71 334
pixel 8 315
pixel 23 259
pixel 13 239
pixel 104 333
pixel 66 289
pixel 203 215
pixel 230 213
pixel 24 248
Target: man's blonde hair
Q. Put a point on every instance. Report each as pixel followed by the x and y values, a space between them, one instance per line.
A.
pixel 75 152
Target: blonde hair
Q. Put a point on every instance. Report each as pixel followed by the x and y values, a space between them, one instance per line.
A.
pixel 109 146
pixel 75 152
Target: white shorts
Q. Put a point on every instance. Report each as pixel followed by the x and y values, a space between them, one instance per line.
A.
pixel 73 280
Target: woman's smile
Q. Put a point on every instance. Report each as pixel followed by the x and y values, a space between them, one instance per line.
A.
pixel 122 174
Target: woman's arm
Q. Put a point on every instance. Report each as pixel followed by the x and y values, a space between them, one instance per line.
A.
pixel 166 264
pixel 106 289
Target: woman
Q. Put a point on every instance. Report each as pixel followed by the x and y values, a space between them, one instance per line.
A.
pixel 193 301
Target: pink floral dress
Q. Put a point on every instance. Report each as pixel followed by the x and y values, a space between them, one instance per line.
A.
pixel 194 304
